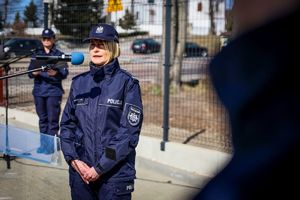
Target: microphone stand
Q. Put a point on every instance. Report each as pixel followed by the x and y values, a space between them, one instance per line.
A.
pixel 6 67
pixel 43 68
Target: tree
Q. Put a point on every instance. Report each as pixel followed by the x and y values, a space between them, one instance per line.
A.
pixel 213 8
pixel 179 44
pixel 75 17
pixel 128 21
pixel 5 11
pixel 229 20
pixel 30 14
pixel 18 25
pixel 178 38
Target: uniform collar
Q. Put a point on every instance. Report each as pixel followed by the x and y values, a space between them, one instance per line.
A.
pixel 99 73
pixel 53 50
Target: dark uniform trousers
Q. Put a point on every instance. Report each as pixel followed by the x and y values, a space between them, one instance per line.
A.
pixel 48 109
pixel 103 190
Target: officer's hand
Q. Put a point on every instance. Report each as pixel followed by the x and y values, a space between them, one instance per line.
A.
pixel 36 73
pixel 51 72
pixel 81 167
pixel 91 175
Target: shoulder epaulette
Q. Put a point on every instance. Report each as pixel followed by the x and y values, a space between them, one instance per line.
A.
pixel 135 79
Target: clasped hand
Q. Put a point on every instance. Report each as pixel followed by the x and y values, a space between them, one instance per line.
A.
pixel 87 173
pixel 51 72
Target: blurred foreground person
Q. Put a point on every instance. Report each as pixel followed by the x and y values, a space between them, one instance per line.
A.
pixel 101 123
pixel 48 92
pixel 256 78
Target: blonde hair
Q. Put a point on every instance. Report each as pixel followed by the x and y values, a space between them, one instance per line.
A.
pixel 113 48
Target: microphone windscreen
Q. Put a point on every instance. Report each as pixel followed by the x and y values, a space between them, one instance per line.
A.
pixel 77 58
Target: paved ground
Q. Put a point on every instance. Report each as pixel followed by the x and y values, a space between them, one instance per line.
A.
pixel 35 181
pixel 30 180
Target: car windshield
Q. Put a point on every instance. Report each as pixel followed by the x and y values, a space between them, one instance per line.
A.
pixel 149 40
pixel 10 42
pixel 191 45
pixel 138 41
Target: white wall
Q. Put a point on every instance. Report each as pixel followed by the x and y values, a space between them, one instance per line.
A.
pixel 199 21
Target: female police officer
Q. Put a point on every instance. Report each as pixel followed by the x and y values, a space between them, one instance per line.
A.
pixel 47 92
pixel 101 123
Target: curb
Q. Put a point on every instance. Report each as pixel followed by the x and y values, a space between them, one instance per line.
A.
pixel 185 158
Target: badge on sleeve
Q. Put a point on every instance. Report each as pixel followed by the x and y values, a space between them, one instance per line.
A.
pixel 134 115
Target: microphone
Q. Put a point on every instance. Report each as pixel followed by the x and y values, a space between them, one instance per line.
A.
pixel 76 58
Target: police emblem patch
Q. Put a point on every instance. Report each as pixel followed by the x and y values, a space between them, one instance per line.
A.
pixel 134 116
pixel 99 29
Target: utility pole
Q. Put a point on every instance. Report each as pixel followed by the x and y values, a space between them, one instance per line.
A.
pixel 132 7
pixel 46 13
pixel 5 11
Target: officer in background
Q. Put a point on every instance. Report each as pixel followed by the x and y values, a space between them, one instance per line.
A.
pixel 48 91
pixel 101 123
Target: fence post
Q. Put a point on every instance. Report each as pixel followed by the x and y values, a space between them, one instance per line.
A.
pixel 2 102
pixel 167 65
pixel 46 5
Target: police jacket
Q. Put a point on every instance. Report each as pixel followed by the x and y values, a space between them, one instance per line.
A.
pixel 45 85
pixel 102 121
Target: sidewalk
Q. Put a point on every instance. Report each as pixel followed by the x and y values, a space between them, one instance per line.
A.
pixel 30 180
pixel 35 181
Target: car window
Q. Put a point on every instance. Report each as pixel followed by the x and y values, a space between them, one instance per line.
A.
pixel 191 45
pixel 23 43
pixel 32 43
pixel 10 42
pixel 21 46
pixel 138 41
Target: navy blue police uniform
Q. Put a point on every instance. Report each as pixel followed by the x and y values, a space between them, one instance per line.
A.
pixel 100 126
pixel 47 92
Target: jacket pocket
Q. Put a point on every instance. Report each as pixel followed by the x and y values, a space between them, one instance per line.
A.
pixel 124 188
pixel 81 106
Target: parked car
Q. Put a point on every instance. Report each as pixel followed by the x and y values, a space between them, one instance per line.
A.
pixel 194 50
pixel 21 46
pixel 145 45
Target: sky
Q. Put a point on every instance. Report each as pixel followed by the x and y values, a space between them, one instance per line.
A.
pixel 19 6
pixel 229 4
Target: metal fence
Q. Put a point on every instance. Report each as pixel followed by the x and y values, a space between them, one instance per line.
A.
pixel 196 117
